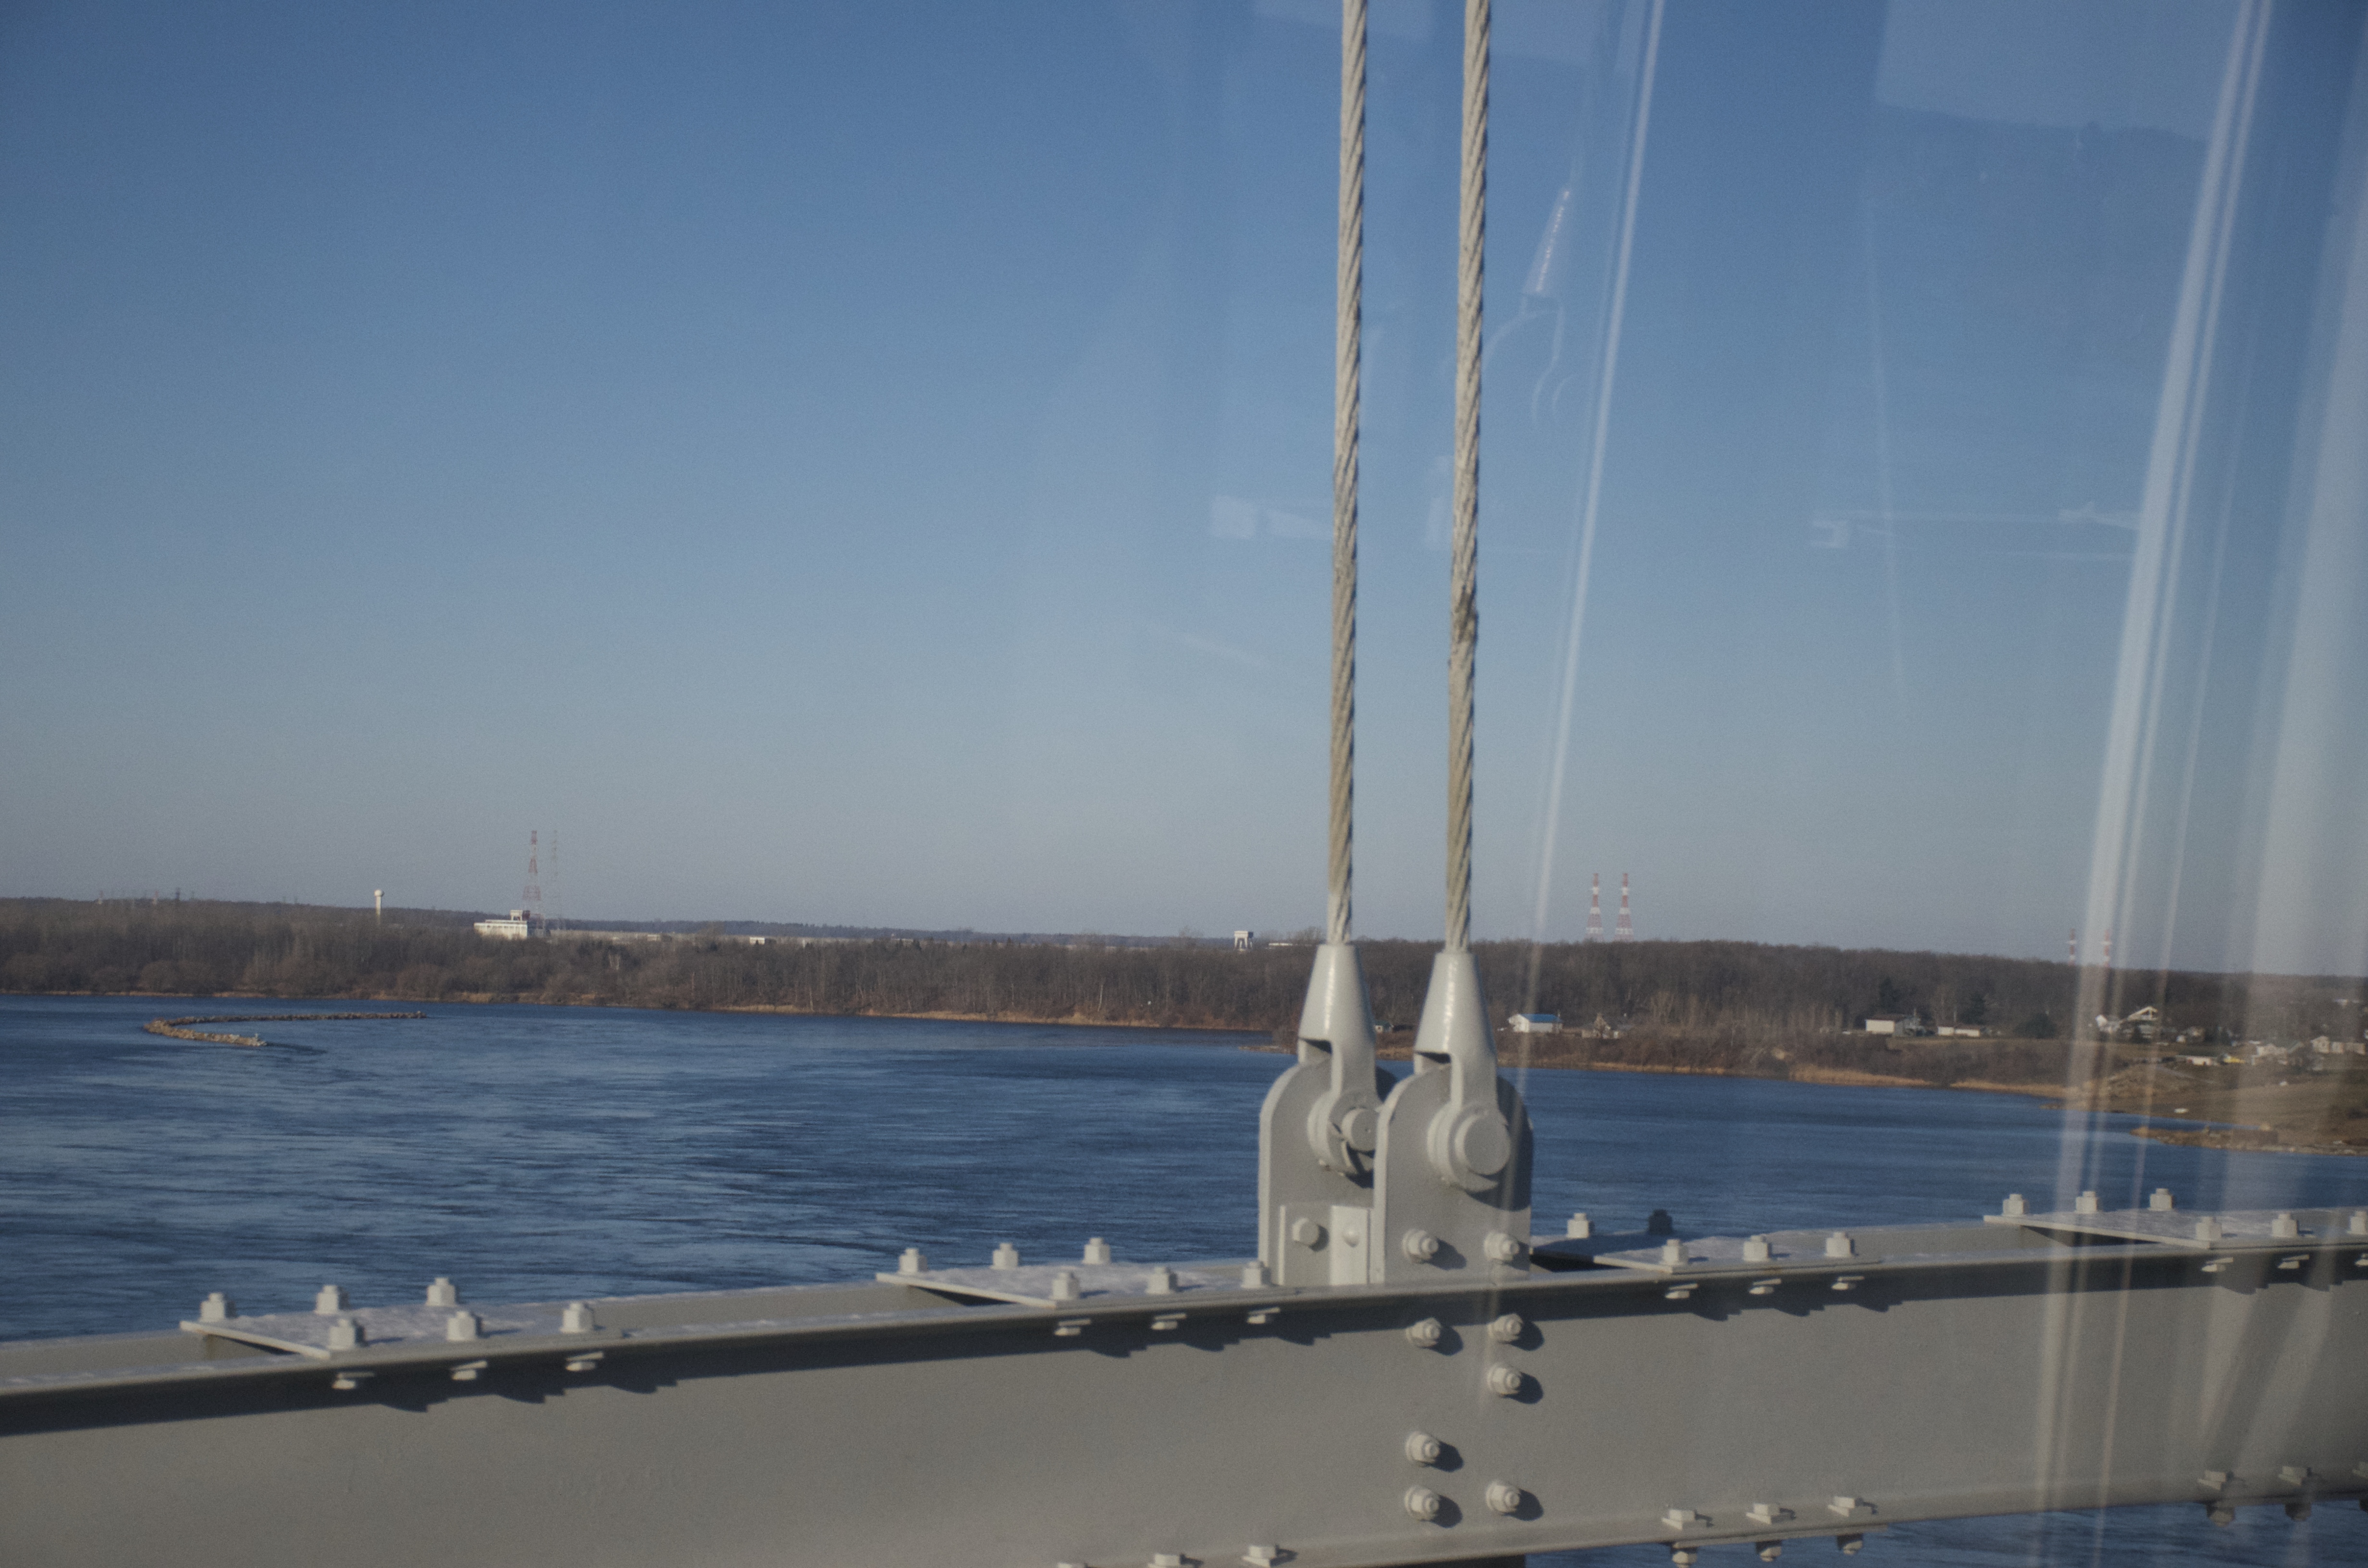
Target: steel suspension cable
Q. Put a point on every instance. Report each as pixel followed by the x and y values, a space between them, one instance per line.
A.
pixel 1348 351
pixel 1463 613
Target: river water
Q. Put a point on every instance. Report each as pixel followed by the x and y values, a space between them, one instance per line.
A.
pixel 534 1153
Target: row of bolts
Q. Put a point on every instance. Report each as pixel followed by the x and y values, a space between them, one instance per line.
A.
pixel 345 1333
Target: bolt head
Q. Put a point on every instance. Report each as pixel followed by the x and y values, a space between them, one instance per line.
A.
pixel 1420 1245
pixel 1509 1329
pixel 1421 1448
pixel 1422 1502
pixel 1504 1381
pixel 1426 1333
pixel 1483 1143
pixel 1502 1247
pixel 1360 1128
pixel 1306 1232
pixel 1504 1497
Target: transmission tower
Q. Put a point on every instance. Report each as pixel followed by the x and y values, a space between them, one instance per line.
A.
pixel 2109 946
pixel 1595 908
pixel 1624 932
pixel 533 897
pixel 2072 948
pixel 558 889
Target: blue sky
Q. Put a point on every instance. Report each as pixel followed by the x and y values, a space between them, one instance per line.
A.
pixel 870 464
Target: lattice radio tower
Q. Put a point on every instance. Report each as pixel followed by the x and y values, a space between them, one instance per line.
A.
pixel 2109 946
pixel 1595 908
pixel 1624 932
pixel 2072 948
pixel 533 898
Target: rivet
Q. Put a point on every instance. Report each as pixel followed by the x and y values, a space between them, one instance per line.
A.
pixel 217 1308
pixel 1421 1448
pixel 1097 1250
pixel 1426 1333
pixel 1064 1286
pixel 462 1325
pixel 1839 1245
pixel 577 1318
pixel 1755 1249
pixel 1419 1245
pixel 1509 1329
pixel 1504 1497
pixel 1422 1502
pixel 2161 1200
pixel 329 1300
pixel 442 1293
pixel 1504 1381
pixel 912 1260
pixel 1007 1256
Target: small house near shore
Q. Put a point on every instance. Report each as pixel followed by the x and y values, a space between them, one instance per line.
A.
pixel 1537 1023
pixel 1895 1023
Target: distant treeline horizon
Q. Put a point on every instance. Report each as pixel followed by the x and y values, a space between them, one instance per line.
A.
pixel 1718 993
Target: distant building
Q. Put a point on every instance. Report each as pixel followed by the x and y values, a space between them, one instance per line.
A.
pixel 2324 1046
pixel 1961 1031
pixel 1895 1023
pixel 1244 940
pixel 514 927
pixel 1537 1023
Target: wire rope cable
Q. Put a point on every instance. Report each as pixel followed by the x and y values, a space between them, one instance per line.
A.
pixel 1463 608
pixel 1348 352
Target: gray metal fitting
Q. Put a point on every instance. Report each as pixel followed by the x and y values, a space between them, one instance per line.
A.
pixel 1007 1256
pixel 1683 1555
pixel 1503 1247
pixel 1160 1282
pixel 578 1318
pixel 345 1335
pixel 329 1300
pixel 912 1260
pixel 1504 1381
pixel 462 1325
pixel 217 1308
pixel 2359 1226
pixel 2014 1205
pixel 1064 1285
pixel 1503 1497
pixel 1421 1448
pixel 1426 1333
pixel 1261 1556
pixel 1673 1253
pixel 1769 1514
pixel 1419 1244
pixel 1167 1559
pixel 1306 1232
pixel 2221 1514
pixel 2283 1228
pixel 1840 1245
pixel 1423 1502
pixel 1849 1544
pixel 2207 1229
pixel 2161 1200
pixel 1769 1550
pixel 1097 1250
pixel 1755 1249
pixel 1255 1275
pixel 1580 1225
pixel 442 1293
pixel 2086 1203
pixel 1509 1329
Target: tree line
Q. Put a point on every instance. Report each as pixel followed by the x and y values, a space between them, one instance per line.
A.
pixel 1725 996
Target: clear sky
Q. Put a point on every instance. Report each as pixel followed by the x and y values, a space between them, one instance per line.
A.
pixel 870 464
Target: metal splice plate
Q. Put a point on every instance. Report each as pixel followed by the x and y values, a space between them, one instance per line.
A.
pixel 1786 1249
pixel 1099 1284
pixel 2175 1227
pixel 307 1334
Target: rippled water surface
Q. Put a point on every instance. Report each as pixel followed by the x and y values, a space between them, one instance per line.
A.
pixel 536 1152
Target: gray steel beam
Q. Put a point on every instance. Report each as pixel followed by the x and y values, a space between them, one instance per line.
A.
pixel 1930 1374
